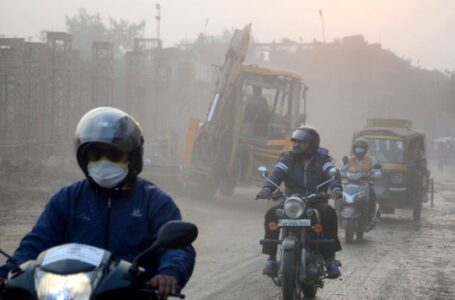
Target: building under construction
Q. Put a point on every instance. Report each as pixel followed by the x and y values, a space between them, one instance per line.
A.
pixel 46 87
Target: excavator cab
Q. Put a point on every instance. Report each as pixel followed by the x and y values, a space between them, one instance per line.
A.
pixel 272 103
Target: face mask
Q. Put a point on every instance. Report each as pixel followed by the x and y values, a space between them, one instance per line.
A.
pixel 106 173
pixel 359 150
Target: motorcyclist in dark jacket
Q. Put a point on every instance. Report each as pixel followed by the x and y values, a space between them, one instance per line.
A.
pixel 302 169
pixel 112 208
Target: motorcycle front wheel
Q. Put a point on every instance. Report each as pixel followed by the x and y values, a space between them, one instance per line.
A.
pixel 309 290
pixel 289 280
pixel 349 230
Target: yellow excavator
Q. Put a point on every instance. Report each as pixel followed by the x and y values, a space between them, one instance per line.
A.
pixel 248 123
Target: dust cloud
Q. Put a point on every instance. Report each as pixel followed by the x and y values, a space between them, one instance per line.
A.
pixel 47 85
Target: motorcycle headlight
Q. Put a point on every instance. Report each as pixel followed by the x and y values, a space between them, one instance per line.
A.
pixel 348 198
pixel 51 286
pixel 294 207
pixel 397 178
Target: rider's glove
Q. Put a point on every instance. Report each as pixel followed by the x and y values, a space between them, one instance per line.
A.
pixel 263 194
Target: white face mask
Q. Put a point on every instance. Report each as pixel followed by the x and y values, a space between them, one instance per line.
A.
pixel 359 150
pixel 106 173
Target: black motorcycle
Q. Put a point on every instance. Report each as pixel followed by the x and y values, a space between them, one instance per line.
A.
pixel 82 272
pixel 302 267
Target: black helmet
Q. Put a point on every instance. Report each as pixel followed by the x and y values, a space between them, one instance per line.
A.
pixel 307 135
pixel 111 126
pixel 361 145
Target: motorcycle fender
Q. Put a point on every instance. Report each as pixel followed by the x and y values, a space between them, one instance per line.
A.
pixel 288 244
pixel 350 212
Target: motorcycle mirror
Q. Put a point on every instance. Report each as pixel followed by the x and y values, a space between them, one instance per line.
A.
pixel 173 234
pixel 377 166
pixel 345 160
pixel 176 234
pixel 264 171
pixel 332 172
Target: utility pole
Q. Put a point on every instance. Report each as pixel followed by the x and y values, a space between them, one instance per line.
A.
pixel 205 26
pixel 158 20
pixel 322 25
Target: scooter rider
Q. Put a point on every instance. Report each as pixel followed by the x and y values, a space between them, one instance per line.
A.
pixel 361 161
pixel 112 208
pixel 302 169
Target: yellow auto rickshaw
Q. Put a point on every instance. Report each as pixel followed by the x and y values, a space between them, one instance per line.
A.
pixel 401 151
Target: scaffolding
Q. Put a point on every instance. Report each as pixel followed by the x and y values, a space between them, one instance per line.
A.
pixel 11 93
pixel 147 46
pixel 102 83
pixel 60 50
pixel 136 84
pixel 35 96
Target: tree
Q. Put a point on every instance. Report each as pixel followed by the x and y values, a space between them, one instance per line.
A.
pixel 87 28
pixel 122 33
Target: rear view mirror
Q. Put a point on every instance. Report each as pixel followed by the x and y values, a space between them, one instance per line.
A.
pixel 332 171
pixel 345 160
pixel 173 234
pixel 176 234
pixel 264 171
pixel 377 166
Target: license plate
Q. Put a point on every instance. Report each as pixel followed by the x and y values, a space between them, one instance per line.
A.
pixel 291 222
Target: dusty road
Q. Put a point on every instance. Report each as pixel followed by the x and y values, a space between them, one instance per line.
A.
pixel 400 259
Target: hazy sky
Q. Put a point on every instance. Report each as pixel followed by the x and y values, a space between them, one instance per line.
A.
pixel 420 30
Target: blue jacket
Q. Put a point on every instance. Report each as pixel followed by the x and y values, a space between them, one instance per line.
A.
pixel 125 226
pixel 300 179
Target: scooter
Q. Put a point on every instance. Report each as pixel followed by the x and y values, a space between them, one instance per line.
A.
pixel 82 272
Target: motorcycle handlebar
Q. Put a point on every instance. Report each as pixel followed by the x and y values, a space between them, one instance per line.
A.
pixel 363 175
pixel 275 196
pixel 150 290
pixel 278 195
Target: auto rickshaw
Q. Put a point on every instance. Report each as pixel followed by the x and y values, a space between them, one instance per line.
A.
pixel 401 151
